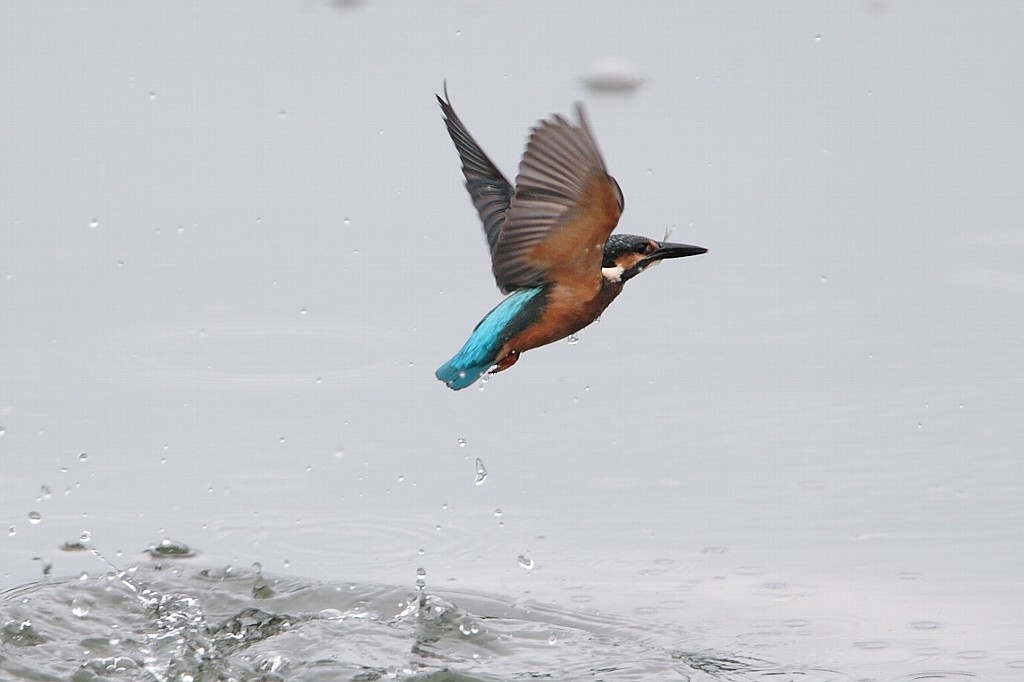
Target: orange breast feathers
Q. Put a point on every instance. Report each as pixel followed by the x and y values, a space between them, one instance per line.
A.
pixel 567 310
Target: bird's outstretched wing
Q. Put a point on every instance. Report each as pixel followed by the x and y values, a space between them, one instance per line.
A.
pixel 490 191
pixel 564 207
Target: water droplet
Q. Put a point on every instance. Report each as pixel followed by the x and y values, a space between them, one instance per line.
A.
pixel 282 114
pixel 12 531
pixel 497 512
pixel 421 551
pixel 573 339
pixel 823 279
pixel 44 492
pixel 280 439
pixel 465 629
pixel 34 517
pixel 83 457
pixel 170 549
pixel 152 96
pixel 303 311
pixel 345 221
pixel 85 536
pixel 3 430
pixel 525 562
pixel 919 425
pixel 817 38
pixel 552 640
pixel 94 223
pixel 481 472
pixel 339 454
pixel 80 606
pixel 461 442
pixel 421 579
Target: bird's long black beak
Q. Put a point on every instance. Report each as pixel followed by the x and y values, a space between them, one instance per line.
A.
pixel 670 250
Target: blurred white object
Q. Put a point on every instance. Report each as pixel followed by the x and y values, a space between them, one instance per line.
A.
pixel 612 74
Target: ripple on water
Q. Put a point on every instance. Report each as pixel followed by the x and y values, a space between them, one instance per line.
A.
pixel 222 624
pixel 272 356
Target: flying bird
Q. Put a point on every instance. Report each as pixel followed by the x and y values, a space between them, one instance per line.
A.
pixel 551 243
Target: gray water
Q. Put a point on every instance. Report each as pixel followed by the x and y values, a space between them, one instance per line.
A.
pixel 235 246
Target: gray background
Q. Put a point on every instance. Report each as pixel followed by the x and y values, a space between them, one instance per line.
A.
pixel 235 246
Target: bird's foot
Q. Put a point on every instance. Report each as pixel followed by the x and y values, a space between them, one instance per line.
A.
pixel 505 362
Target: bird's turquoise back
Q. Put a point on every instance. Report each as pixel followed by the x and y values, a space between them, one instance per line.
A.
pixel 480 352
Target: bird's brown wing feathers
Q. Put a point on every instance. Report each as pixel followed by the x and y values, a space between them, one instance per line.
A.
pixel 564 207
pixel 490 191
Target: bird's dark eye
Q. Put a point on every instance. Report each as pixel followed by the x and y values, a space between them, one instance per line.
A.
pixel 643 248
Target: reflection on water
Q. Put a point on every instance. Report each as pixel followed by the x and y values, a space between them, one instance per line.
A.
pixel 224 624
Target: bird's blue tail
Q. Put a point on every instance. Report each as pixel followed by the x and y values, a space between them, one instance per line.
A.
pixel 480 351
pixel 457 375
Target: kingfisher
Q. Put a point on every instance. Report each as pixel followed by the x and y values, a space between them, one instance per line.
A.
pixel 550 237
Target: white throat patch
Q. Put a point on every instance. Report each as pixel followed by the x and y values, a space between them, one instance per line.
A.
pixel 613 274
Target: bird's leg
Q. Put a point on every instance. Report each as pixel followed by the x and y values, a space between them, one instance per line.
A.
pixel 505 362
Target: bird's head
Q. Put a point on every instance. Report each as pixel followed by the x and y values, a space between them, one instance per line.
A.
pixel 627 255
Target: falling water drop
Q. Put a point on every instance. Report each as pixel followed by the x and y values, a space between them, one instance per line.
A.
pixel 94 223
pixel 34 517
pixel 421 579
pixel 461 442
pixel 573 339
pixel 481 472
pixel 525 562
